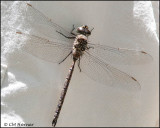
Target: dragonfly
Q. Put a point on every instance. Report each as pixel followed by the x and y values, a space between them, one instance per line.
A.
pixel 75 46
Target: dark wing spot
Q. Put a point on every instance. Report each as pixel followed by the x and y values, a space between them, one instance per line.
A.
pixel 133 78
pixel 29 4
pixel 143 52
pixel 19 32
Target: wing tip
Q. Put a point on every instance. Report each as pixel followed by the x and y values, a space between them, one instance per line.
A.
pixel 134 79
pixel 143 52
pixel 29 4
pixel 150 57
pixel 19 32
pixel 139 86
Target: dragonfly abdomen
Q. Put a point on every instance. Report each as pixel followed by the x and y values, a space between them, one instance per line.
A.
pixel 63 94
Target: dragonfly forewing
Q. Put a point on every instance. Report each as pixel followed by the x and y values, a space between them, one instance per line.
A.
pixel 45 25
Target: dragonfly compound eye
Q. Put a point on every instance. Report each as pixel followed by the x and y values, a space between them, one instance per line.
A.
pixel 80 30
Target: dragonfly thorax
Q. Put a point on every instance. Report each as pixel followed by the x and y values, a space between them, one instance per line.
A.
pixel 79 46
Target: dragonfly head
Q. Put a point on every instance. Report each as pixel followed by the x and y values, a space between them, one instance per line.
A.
pixel 84 30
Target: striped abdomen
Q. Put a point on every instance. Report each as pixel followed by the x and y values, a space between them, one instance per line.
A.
pixel 61 100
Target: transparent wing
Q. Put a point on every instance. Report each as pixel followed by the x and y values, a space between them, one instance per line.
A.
pixel 106 74
pixel 52 51
pixel 45 25
pixel 118 55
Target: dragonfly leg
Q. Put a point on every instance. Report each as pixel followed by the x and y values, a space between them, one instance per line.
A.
pixel 89 47
pixel 79 64
pixel 65 57
pixel 73 30
pixel 65 35
pixel 92 29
